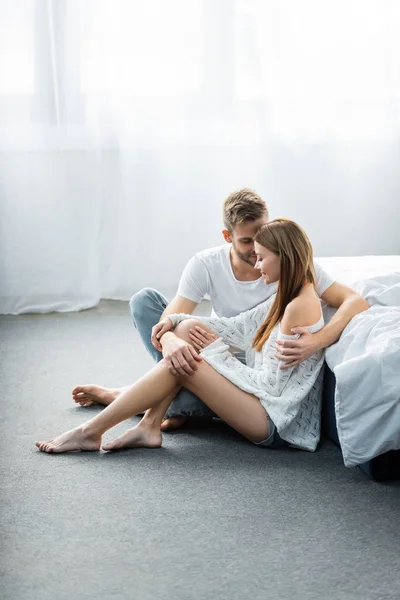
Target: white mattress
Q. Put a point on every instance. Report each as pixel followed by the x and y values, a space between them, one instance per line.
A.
pixel 347 269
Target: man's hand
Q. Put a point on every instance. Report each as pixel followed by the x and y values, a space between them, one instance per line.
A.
pixel 158 331
pixel 181 357
pixel 296 351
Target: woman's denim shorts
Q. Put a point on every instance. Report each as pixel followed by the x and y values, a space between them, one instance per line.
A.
pixel 273 440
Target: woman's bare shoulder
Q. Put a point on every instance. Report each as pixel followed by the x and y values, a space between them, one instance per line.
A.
pixel 303 311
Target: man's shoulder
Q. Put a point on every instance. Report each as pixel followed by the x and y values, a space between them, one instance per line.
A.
pixel 317 266
pixel 319 270
pixel 212 254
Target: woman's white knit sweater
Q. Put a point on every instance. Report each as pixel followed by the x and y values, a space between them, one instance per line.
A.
pixel 291 397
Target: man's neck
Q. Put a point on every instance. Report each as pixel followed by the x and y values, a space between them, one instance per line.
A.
pixel 242 270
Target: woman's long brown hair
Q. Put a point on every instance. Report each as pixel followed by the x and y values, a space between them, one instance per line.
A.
pixel 287 240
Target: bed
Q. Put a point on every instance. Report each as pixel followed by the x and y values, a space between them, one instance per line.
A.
pixel 361 403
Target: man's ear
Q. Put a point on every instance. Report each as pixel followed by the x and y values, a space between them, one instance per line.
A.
pixel 227 236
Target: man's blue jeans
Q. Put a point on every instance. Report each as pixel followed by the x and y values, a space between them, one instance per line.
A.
pixel 146 308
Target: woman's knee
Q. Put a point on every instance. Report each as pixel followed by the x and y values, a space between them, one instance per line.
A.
pixel 183 328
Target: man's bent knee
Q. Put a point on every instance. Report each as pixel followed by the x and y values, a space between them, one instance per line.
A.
pixel 141 300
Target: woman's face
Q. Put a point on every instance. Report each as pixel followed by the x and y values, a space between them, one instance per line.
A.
pixel 268 263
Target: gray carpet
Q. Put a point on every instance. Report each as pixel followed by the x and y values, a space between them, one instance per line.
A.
pixel 207 516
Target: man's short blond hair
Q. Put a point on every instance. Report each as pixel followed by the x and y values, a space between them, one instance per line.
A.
pixel 243 205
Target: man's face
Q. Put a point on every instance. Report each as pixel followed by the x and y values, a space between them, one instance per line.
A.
pixel 242 239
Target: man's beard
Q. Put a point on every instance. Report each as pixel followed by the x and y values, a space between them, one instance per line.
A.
pixel 247 257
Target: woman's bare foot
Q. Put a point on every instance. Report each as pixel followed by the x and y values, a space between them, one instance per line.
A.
pixel 137 437
pixel 173 423
pixel 75 440
pixel 87 395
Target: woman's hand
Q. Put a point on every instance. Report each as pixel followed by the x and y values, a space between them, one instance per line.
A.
pixel 158 331
pixel 201 338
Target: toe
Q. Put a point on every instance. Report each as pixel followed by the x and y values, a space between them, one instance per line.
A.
pixel 109 446
pixel 82 398
pixel 41 445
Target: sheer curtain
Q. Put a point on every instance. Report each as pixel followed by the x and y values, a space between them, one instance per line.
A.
pixel 124 124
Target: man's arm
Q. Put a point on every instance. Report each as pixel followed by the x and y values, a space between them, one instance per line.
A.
pixel 349 304
pixel 179 355
pixel 179 305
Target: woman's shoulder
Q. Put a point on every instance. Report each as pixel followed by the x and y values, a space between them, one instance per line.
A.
pixel 302 311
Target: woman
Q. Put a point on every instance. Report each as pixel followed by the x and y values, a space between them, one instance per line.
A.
pixel 269 406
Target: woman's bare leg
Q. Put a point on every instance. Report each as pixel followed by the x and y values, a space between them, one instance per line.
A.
pixel 239 409
pixel 147 433
pixel 150 390
pixel 242 411
pixel 154 416
pixel 152 422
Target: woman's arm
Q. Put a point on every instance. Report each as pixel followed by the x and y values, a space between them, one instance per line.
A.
pixel 231 329
pixel 236 331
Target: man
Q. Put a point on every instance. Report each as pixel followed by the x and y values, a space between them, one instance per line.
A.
pixel 227 275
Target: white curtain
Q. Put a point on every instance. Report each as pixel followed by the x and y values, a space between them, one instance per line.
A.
pixel 124 124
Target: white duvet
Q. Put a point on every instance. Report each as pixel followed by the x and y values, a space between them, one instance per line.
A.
pixel 366 364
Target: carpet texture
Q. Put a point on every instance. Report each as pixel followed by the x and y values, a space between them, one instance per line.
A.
pixel 208 516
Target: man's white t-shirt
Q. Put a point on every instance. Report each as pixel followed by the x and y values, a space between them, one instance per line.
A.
pixel 209 274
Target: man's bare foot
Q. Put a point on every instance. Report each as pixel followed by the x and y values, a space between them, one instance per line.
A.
pixel 87 395
pixel 173 423
pixel 75 440
pixel 136 437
